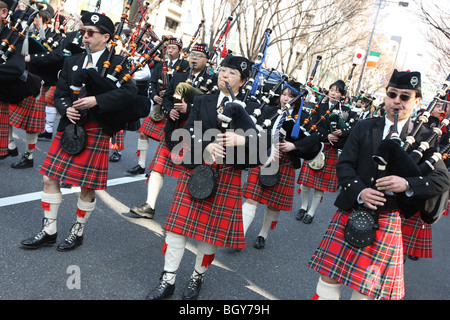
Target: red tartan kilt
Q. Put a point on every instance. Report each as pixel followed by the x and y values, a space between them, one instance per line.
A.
pixel 29 114
pixel 154 130
pixel 376 270
pixel 49 95
pixel 279 196
pixel 417 238
pixel 88 169
pixel 216 220
pixel 4 127
pixel 162 162
pixel 324 179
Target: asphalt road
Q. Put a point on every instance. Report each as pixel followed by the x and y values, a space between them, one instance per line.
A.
pixel 121 257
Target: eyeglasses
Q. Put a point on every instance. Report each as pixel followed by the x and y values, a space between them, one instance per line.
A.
pixel 231 72
pixel 197 55
pixel 393 95
pixel 89 32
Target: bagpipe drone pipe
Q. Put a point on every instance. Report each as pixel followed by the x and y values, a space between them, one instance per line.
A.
pixel 28 84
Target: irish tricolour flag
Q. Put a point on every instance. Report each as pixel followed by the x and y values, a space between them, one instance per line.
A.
pixel 372 59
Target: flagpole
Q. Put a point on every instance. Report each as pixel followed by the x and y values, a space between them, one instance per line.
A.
pixel 368 47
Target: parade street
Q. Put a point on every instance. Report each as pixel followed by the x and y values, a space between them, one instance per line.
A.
pixel 121 256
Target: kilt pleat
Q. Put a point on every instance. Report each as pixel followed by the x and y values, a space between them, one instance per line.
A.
pixel 88 169
pixel 216 220
pixel 279 196
pixel 324 179
pixel 29 114
pixel 4 127
pixel 417 237
pixel 117 141
pixel 162 162
pixel 153 129
pixel 376 270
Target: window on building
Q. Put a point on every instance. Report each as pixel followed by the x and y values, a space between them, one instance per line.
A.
pixel 171 25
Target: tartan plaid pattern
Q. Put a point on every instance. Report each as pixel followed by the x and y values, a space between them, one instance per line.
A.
pixel 116 142
pixel 163 163
pixel 50 94
pixel 216 220
pixel 29 114
pixel 4 127
pixel 279 196
pixel 88 169
pixel 324 179
pixel 417 238
pixel 376 270
pixel 154 130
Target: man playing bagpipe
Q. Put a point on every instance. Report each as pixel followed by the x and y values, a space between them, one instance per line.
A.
pixel 89 116
pixel 177 112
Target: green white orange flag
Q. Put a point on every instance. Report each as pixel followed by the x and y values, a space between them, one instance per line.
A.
pixel 372 59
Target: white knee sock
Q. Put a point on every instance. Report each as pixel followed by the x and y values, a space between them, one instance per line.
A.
pixel 175 245
pixel 155 183
pixel 356 295
pixel 11 143
pixel 305 196
pixel 328 291
pixel 317 198
pixel 50 204
pixel 142 147
pixel 248 213
pixel 50 115
pixel 205 256
pixel 84 210
pixel 30 141
pixel 270 219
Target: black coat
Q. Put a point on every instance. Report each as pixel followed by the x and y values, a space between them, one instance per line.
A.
pixel 204 111
pixel 109 103
pixel 356 169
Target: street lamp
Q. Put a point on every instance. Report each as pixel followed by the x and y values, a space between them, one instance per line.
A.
pixel 401 4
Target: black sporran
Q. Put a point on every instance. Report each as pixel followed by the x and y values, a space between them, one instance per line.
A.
pixel 269 180
pixel 361 227
pixel 73 139
pixel 203 182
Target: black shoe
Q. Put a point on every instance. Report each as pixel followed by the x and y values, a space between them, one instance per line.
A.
pixel 41 239
pixel 300 214
pixel 45 135
pixel 11 153
pixel 144 210
pixel 24 162
pixel 193 287
pixel 136 170
pixel 73 240
pixel 65 185
pixel 414 258
pixel 259 243
pixel 115 156
pixel 162 291
pixel 308 219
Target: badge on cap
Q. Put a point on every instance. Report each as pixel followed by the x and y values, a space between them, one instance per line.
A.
pixel 95 18
pixel 414 81
pixel 243 66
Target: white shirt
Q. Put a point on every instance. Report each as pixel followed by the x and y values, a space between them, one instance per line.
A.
pixel 95 57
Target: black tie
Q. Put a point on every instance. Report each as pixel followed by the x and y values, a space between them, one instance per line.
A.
pixel 391 130
pixel 222 104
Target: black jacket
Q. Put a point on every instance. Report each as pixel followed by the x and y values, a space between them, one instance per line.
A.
pixel 204 112
pixel 356 169
pixel 109 103
pixel 155 85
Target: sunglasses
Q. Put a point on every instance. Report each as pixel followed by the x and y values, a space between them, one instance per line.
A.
pixel 89 32
pixel 393 95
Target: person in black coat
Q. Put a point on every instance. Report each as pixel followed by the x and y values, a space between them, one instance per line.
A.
pixel 97 109
pixel 376 271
